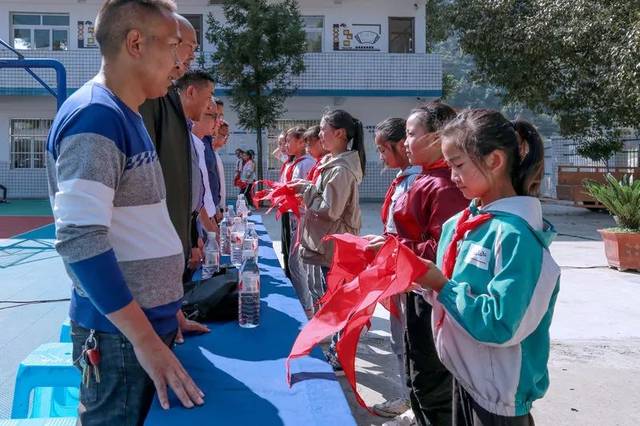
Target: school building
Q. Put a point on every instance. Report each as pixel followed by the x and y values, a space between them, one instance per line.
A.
pixel 365 56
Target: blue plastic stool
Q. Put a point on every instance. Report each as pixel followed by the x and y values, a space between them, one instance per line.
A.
pixel 65 331
pixel 49 366
pixel 60 421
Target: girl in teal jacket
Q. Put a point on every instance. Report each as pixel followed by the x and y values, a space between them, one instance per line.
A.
pixel 495 284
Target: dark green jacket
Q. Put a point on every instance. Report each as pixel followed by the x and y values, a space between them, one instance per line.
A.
pixel 166 123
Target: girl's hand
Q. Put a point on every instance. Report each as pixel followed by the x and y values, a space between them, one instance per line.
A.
pixel 298 185
pixel 434 279
pixel 375 242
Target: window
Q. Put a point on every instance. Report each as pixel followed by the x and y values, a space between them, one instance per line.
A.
pixel 196 22
pixel 40 31
pixel 28 140
pixel 313 27
pixel 401 35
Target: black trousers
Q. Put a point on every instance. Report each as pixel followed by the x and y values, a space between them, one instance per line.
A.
pixel 468 413
pixel 285 238
pixel 430 383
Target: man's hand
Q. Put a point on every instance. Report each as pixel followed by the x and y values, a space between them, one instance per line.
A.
pixel 155 357
pixel 164 369
pixel 195 259
pixel 187 326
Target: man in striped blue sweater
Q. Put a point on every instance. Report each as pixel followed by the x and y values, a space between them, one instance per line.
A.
pixel 113 230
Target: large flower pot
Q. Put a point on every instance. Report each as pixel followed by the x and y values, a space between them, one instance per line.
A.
pixel 622 249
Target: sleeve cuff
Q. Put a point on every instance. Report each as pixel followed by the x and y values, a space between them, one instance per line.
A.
pixel 447 296
pixel 101 278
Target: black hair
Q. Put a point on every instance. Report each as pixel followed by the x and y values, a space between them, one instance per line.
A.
pixel 392 130
pixel 433 115
pixel 312 132
pixel 194 77
pixel 297 132
pixel 479 132
pixel 218 101
pixel 341 119
pixel 250 153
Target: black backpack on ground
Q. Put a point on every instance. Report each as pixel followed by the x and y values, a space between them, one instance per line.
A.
pixel 215 299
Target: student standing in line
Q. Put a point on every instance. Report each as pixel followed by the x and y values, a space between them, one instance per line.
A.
pixel 285 230
pixel 298 169
pixel 332 202
pixel 418 217
pixel 390 136
pixel 495 284
pixel 312 141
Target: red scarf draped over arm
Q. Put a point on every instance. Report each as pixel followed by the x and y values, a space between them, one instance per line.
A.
pixel 362 281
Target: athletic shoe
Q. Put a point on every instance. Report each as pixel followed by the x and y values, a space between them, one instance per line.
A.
pixel 405 419
pixel 392 408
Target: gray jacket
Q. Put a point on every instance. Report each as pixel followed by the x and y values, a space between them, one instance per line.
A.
pixel 333 206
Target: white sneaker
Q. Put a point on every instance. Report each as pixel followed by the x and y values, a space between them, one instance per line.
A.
pixel 405 419
pixel 391 408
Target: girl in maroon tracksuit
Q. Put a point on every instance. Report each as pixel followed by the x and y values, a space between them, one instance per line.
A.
pixel 418 216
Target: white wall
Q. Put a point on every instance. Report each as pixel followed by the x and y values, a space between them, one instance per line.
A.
pixel 334 11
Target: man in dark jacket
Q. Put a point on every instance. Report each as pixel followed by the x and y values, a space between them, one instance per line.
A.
pixel 166 123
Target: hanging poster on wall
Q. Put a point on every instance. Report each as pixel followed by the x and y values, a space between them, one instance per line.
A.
pixel 366 37
pixel 86 36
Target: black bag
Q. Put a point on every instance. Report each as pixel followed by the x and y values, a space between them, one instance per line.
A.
pixel 215 299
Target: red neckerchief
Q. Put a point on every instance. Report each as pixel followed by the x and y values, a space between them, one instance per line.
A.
pixel 289 173
pixel 384 211
pixel 350 306
pixel 314 173
pixel 438 164
pixel 284 166
pixel 465 224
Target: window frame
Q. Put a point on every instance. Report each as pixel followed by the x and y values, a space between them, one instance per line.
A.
pixel 37 138
pixel 33 27
pixel 412 42
pixel 314 30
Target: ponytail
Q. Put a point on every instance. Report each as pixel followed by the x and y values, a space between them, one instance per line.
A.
pixel 527 173
pixel 341 119
pixel 479 132
pixel 358 143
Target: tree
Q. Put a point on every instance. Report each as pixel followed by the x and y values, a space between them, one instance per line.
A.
pixel 260 49
pixel 575 59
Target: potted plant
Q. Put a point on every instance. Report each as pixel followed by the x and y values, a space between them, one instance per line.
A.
pixel 622 199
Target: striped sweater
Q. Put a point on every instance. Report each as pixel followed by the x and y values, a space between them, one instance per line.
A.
pixel 113 230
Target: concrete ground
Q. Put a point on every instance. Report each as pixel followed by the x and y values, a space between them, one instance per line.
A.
pixel 595 357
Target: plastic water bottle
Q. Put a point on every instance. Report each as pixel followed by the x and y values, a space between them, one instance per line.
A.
pixel 225 243
pixel 253 235
pixel 211 263
pixel 241 207
pixel 248 245
pixel 249 293
pixel 237 239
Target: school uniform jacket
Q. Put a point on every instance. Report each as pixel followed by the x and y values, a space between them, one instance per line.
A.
pixel 333 206
pixel 421 211
pixel 491 320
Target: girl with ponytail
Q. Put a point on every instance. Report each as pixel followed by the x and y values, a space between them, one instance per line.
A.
pixel 333 201
pixel 494 285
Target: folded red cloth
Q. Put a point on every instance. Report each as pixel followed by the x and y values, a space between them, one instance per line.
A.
pixel 281 196
pixel 354 296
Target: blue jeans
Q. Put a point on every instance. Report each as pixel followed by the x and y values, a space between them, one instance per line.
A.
pixel 125 392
